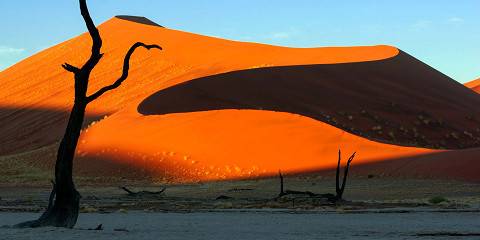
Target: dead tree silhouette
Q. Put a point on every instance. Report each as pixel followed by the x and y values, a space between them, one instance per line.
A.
pixel 284 192
pixel 338 197
pixel 63 206
pixel 340 189
pixel 142 193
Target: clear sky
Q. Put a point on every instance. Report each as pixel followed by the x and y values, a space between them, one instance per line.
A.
pixel 443 33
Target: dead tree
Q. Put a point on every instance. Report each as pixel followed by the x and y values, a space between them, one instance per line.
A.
pixel 64 200
pixel 143 193
pixel 284 192
pixel 340 189
pixel 330 197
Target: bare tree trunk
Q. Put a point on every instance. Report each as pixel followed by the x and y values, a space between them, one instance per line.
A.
pixel 64 201
pixel 337 177
pixel 282 191
pixel 66 206
pixel 339 189
pixel 65 197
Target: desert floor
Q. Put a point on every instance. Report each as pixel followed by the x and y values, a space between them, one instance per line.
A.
pixel 378 208
pixel 257 225
pixel 361 193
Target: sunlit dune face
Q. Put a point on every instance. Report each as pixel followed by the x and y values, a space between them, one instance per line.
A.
pixel 228 144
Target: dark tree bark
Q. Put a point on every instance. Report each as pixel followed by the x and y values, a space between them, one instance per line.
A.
pixel 143 193
pixel 340 189
pixel 64 199
pixel 284 192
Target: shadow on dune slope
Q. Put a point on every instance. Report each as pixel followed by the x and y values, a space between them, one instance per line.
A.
pixel 399 100
pixel 26 129
pixel 446 165
pixel 138 19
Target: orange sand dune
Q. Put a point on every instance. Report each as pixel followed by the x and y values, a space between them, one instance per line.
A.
pixel 226 143
pixel 474 85
pixel 39 82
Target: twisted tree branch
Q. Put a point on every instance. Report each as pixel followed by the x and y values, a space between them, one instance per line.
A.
pixel 70 68
pixel 96 39
pixel 126 67
pixel 337 174
pixel 345 175
pixel 142 193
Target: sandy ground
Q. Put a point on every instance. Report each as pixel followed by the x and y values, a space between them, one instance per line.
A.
pixel 364 193
pixel 379 207
pixel 24 186
pixel 255 225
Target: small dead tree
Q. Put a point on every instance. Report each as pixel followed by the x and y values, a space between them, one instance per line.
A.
pixel 63 206
pixel 340 189
pixel 330 197
pixel 143 193
pixel 284 192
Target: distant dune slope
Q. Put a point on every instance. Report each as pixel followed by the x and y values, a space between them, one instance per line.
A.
pixel 173 117
pixel 474 85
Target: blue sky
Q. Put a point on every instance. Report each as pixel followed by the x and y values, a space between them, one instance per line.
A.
pixel 443 33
